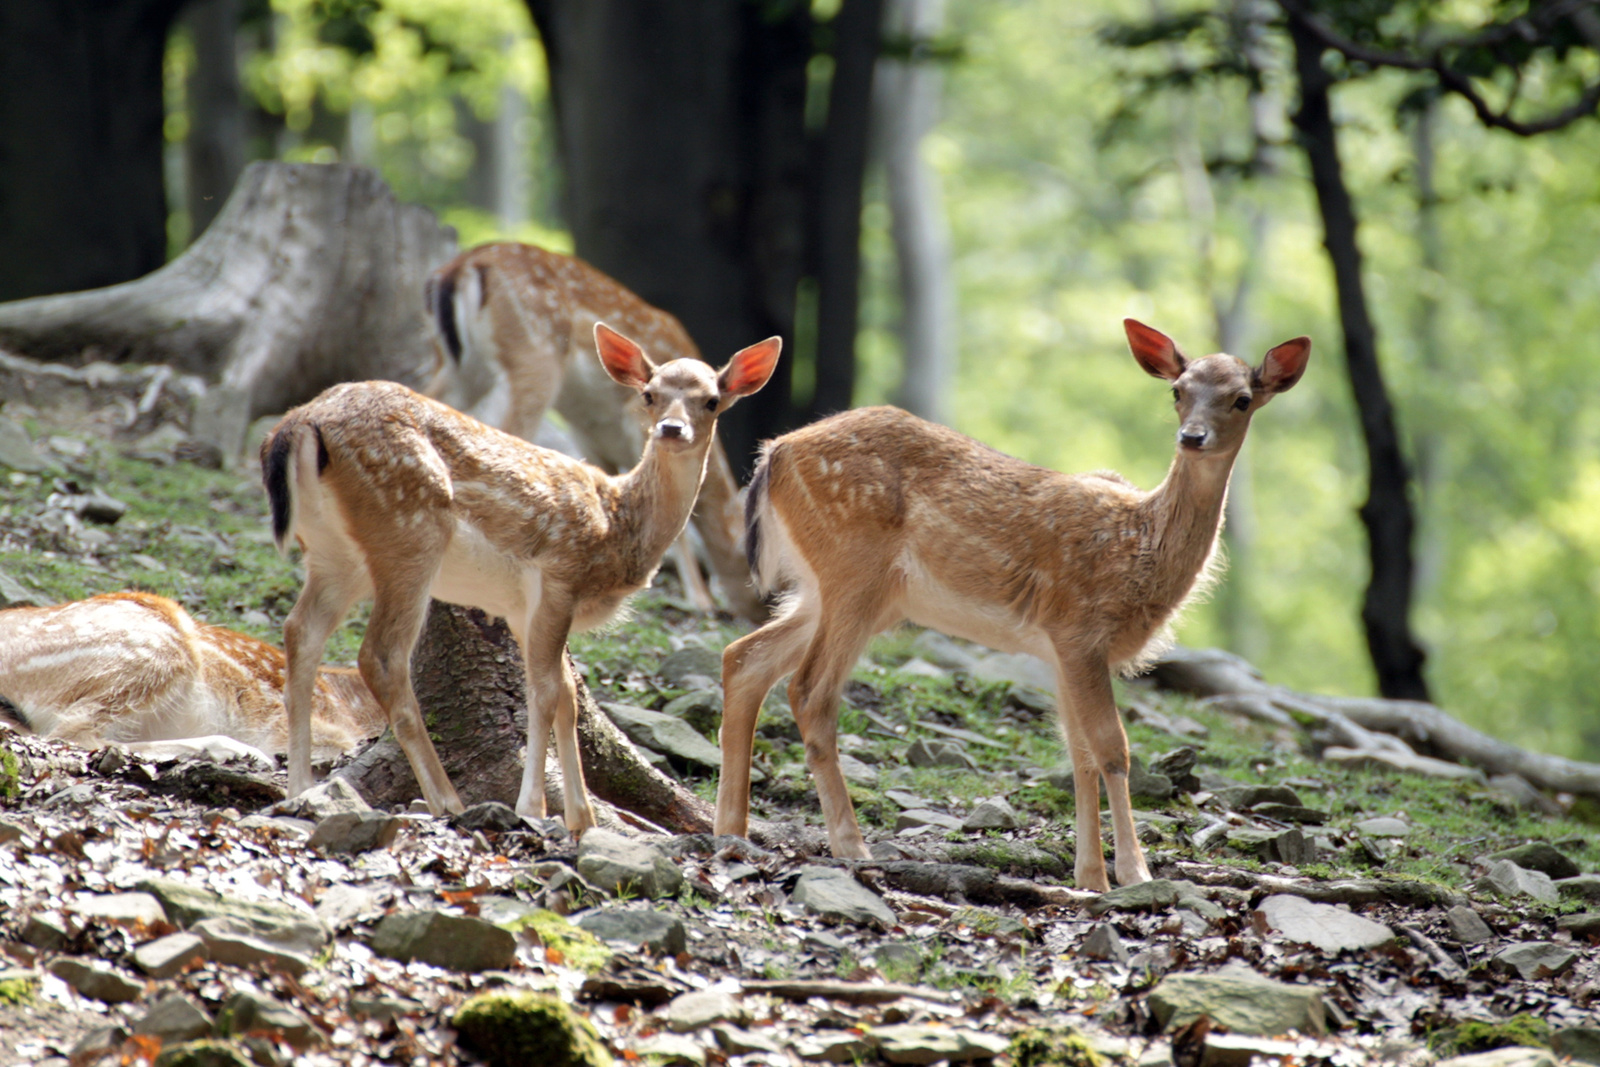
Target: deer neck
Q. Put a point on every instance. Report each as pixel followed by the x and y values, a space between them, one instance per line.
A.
pixel 1184 513
pixel 654 499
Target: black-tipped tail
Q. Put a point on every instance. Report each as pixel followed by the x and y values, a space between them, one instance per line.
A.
pixel 15 716
pixel 275 475
pixel 441 298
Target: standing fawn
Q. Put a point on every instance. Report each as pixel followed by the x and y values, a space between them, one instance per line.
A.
pixel 875 516
pixel 514 323
pixel 398 498
pixel 133 669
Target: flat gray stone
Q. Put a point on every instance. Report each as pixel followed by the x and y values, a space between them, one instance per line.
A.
pixel 326 798
pixel 1583 924
pixel 96 980
pixel 1539 856
pixel 174 1018
pixel 46 930
pixel 691 662
pixel 1329 928
pixel 943 651
pixel 938 753
pixel 1503 1057
pixel 700 708
pixel 490 816
pixel 16 449
pixel 254 1013
pixel 996 813
pixel 857 772
pixel 1580 887
pixel 919 817
pixel 454 942
pixel 340 905
pixel 290 949
pixel 167 956
pixel 697 1010
pixel 1383 826
pixel 835 896
pixel 1240 1001
pixel 666 734
pixel 1155 895
pixel 644 928
pixel 186 905
pixel 1104 943
pixel 123 909
pixel 1241 1050
pixel 98 1045
pixel 1467 926
pixel 1534 960
pixel 736 1041
pixel 355 831
pixel 913 1043
pixel 833 1046
pixel 1280 846
pixel 1018 668
pixel 1581 1043
pixel 1243 797
pixel 1508 880
pixel 614 862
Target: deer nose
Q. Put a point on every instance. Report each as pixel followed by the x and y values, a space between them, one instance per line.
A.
pixel 1192 437
pixel 672 428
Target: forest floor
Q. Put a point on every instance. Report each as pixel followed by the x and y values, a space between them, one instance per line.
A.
pixel 1311 913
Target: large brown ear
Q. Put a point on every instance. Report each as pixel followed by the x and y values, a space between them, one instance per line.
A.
pixel 1282 367
pixel 750 368
pixel 624 361
pixel 1154 350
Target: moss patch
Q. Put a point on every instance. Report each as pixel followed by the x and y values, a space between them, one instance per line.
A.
pixel 1053 1048
pixel 1480 1035
pixel 578 947
pixel 517 1028
pixel 17 990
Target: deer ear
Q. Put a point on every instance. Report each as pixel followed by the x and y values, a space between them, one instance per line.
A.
pixel 1283 366
pixel 749 370
pixel 624 361
pixel 1154 350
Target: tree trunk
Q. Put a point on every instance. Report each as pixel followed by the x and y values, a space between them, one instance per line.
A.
pixel 1386 612
pixel 214 151
pixel 905 108
pixel 468 676
pixel 82 196
pixel 311 276
pixel 681 132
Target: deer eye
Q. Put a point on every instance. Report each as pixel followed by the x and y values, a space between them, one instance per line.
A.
pixel 711 405
pixel 1242 404
pixel 649 397
pixel 1175 393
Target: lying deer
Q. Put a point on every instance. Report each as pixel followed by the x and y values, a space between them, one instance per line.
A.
pixel 134 669
pixel 514 323
pixel 875 516
pixel 398 498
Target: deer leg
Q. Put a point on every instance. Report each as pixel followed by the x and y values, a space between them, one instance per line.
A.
pixel 750 668
pixel 398 612
pixel 321 606
pixel 694 582
pixel 1099 751
pixel 553 703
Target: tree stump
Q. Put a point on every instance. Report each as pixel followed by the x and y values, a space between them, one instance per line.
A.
pixel 311 275
pixel 468 675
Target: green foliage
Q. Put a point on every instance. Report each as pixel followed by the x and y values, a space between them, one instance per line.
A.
pixel 10 774
pixel 1038 1047
pixel 19 990
pixel 1484 1035
pixel 511 1028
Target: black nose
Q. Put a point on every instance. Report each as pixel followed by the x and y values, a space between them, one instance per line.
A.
pixel 672 429
pixel 1192 438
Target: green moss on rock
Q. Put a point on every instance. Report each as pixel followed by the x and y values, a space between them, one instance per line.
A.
pixel 514 1028
pixel 17 989
pixel 1485 1035
pixel 203 1054
pixel 579 948
pixel 1053 1048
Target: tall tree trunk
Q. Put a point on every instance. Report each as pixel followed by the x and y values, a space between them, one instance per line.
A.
pixel 214 153
pixel 841 164
pixel 1386 611
pixel 82 196
pixel 681 131
pixel 905 108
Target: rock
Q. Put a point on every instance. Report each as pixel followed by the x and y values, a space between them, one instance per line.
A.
pixel 1156 894
pixel 921 668
pixel 989 923
pixel 253 1013
pixel 738 1042
pixel 1279 846
pixel 835 896
pixel 1291 813
pixel 186 905
pixel 665 734
pixel 1150 785
pixel 1018 668
pixel 1103 943
pixel 1580 887
pixel 700 708
pixel 46 930
pixel 919 817
pixel 660 1048
pixel 1503 1057
pixel 170 955
pixel 96 980
pixel 857 772
pixel 1508 880
pixel 996 813
pixel 340 905
pixel 933 753
pixel 931 1044
pixel 900 957
pixel 654 931
pixel 290 949
pixel 1467 926
pixel 906 801
pixel 1178 768
pixel 1521 793
pixel 1581 1043
pixel 1539 856
pixel 943 651
pixel 694 1011
pixel 326 798
pixel 821 939
pixel 1584 924
pixel 355 831
pixel 202 1054
pixel 174 1018
pixel 9 831
pixel 123 909
pixel 454 942
pixel 1534 960
pixel 1239 1050
pixel 516 1028
pixel 1383 826
pixel 490 816
pixel 16 449
pixel 688 663
pixel 614 862
pixel 1329 928
pixel 1244 797
pixel 382 1007
pixel 1240 1001
pixel 833 1046
pixel 98 1045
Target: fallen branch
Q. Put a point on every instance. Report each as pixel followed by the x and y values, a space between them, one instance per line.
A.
pixel 850 992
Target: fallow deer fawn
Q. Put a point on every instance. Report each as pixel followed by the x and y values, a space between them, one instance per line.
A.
pixel 396 497
pixel 875 516
pixel 133 668
pixel 514 322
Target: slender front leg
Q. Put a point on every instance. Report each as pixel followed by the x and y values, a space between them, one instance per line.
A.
pixel 321 606
pixel 750 668
pixel 553 704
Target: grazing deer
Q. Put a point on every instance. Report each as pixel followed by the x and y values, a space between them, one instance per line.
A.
pixel 398 498
pixel 133 669
pixel 514 323
pixel 875 516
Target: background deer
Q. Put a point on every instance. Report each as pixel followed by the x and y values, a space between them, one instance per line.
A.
pixel 514 323
pixel 133 668
pixel 875 516
pixel 398 498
